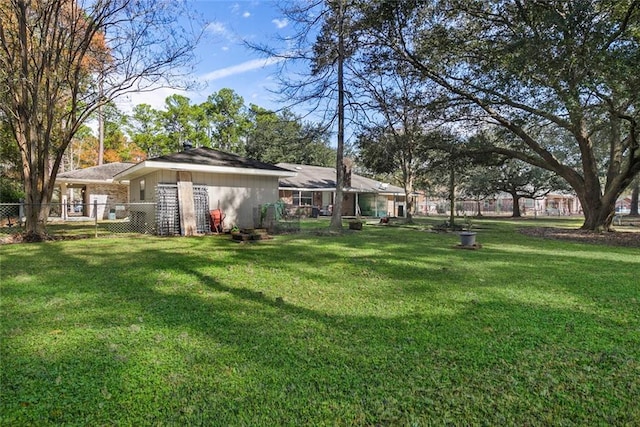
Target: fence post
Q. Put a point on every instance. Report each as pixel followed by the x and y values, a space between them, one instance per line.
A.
pixel 95 213
pixel 65 208
pixel 21 212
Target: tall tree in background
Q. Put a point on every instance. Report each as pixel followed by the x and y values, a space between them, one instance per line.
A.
pixel 325 39
pixel 567 65
pixel 117 146
pixel 52 54
pixel 221 122
pixel 284 137
pixel 11 190
pixel 81 151
pixel 228 121
pixel 479 186
pixel 395 144
pixel 145 129
pixel 178 121
pixel 449 159
pixel 519 179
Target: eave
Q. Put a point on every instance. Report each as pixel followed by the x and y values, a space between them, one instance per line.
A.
pixel 149 166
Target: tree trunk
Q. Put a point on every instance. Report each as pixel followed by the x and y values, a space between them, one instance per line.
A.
pixel 36 220
pixel 336 215
pixel 36 210
pixel 409 208
pixel 452 195
pixel 598 216
pixel 516 206
pixel 634 199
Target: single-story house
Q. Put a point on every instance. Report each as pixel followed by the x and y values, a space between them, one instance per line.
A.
pixel 82 191
pixel 315 187
pixel 186 185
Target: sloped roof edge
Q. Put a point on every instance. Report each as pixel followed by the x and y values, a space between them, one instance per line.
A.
pixel 320 178
pixel 205 160
pixel 94 174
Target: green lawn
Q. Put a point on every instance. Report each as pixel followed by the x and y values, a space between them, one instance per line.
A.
pixel 388 326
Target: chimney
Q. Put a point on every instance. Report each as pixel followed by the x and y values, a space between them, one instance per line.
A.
pixel 346 168
pixel 187 145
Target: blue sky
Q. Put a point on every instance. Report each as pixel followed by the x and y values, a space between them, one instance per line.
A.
pixel 224 62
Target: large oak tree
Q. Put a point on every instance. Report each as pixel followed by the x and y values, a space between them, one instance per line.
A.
pixel 568 68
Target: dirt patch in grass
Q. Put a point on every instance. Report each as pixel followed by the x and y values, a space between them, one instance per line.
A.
pixel 628 238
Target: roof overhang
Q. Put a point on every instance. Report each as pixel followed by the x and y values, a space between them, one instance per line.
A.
pixel 319 190
pixel 346 190
pixel 62 180
pixel 148 166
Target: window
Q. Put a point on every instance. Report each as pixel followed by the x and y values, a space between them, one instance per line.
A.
pixel 142 185
pixel 302 198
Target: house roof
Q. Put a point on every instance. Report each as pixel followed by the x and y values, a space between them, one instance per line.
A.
pixel 319 178
pixel 205 160
pixel 95 174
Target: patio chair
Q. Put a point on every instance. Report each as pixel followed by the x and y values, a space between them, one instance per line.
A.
pixel 216 220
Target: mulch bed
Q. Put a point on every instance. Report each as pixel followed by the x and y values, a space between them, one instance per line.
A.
pixel 611 238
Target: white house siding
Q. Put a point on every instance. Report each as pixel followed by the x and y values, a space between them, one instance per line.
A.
pixel 236 195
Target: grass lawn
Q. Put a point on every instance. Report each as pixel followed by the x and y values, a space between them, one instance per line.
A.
pixel 387 326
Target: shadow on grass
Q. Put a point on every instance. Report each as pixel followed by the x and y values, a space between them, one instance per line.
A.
pixel 166 333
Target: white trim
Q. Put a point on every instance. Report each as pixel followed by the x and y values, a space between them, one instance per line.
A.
pixel 346 190
pixel 62 180
pixel 319 190
pixel 148 166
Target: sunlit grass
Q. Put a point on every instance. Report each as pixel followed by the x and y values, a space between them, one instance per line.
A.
pixel 388 326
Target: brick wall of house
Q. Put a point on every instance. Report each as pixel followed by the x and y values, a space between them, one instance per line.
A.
pixel 107 196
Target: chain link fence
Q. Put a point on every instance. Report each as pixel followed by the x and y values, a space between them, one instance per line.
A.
pixel 110 218
pixel 159 218
pixel 277 218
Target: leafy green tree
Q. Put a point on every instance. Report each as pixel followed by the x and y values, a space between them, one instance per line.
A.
pixel 178 122
pixel 313 146
pixel 227 119
pixel 568 67
pixel 11 187
pixel 145 129
pixel 283 137
pixel 479 185
pixel 117 145
pixel 519 179
pixel 449 160
pixel 395 144
pixel 9 152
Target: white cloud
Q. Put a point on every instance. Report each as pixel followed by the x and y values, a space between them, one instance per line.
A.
pixel 281 23
pixel 246 15
pixel 244 67
pixel 217 28
pixel 156 98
